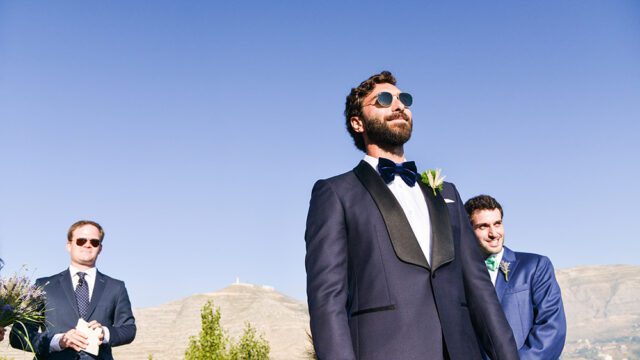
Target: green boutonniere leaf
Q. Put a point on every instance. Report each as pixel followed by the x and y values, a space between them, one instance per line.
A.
pixel 434 179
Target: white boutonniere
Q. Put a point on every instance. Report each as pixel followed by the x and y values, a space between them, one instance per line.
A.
pixel 504 266
pixel 433 179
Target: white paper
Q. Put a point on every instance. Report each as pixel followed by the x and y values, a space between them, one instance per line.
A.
pixel 92 335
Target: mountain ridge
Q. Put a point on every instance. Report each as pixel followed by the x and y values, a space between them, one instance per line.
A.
pixel 603 318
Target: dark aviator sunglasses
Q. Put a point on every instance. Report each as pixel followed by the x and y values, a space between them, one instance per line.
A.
pixel 385 98
pixel 82 241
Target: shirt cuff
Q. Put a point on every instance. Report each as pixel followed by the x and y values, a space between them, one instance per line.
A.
pixel 54 345
pixel 107 335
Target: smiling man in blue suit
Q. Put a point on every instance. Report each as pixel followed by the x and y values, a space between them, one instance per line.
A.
pixel 393 269
pixel 81 291
pixel 525 284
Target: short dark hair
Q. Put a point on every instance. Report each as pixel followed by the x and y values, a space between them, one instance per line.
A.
pixel 482 202
pixel 80 223
pixel 353 105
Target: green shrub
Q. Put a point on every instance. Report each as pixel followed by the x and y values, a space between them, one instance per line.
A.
pixel 214 344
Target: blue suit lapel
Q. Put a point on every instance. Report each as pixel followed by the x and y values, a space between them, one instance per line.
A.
pixel 501 284
pixel 67 288
pixel 98 290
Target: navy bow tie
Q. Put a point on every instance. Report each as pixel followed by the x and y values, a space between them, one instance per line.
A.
pixel 407 171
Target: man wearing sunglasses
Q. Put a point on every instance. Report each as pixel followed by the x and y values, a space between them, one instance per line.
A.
pixel 393 269
pixel 81 292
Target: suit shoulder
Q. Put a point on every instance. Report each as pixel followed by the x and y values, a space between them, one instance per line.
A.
pixel 449 191
pixel 448 186
pixel 47 279
pixel 337 181
pixel 112 280
pixel 346 176
pixel 529 256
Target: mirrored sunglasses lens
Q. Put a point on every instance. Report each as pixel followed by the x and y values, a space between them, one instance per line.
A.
pixel 385 98
pixel 406 99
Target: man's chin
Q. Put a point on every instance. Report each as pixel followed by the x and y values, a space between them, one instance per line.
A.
pixel 394 142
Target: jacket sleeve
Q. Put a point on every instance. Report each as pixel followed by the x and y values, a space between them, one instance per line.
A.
pixel 326 265
pixel 123 329
pixel 489 322
pixel 547 336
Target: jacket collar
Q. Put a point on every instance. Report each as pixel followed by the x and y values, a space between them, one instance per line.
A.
pixel 501 284
pixel 403 239
pixel 66 285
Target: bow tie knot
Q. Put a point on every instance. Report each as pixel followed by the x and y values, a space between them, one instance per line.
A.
pixel 389 169
pixel 491 262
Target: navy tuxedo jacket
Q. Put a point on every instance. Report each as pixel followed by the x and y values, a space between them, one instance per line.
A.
pixel 370 290
pixel 109 305
pixel 532 302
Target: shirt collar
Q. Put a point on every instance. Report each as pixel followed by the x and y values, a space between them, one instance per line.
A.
pixel 91 272
pixel 373 161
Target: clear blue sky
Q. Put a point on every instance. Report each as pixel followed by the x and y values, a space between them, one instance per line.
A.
pixel 194 130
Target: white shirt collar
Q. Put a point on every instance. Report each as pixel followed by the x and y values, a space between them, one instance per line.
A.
pixel 91 272
pixel 373 161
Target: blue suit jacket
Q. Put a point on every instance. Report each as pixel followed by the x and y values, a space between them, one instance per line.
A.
pixel 109 305
pixel 370 290
pixel 532 302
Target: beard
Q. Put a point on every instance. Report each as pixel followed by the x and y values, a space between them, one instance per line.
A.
pixel 385 135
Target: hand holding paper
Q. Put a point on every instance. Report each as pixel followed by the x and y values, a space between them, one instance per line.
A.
pixel 94 335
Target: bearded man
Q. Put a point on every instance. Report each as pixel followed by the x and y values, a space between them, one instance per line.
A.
pixel 393 269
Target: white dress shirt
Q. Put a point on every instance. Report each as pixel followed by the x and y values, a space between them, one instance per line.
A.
pixel 494 273
pixel 414 205
pixel 90 278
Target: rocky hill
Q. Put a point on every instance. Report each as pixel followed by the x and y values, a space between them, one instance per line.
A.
pixel 164 331
pixel 603 312
pixel 600 301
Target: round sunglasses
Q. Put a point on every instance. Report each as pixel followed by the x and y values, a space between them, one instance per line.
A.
pixel 385 98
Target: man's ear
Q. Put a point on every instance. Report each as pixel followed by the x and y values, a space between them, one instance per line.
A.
pixel 357 124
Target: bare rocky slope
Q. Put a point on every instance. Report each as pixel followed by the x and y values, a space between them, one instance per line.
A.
pixel 601 303
pixel 603 311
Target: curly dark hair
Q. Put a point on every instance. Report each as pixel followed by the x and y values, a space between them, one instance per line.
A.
pixel 482 202
pixel 353 105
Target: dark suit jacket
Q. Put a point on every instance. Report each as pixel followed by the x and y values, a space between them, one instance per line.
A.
pixel 370 288
pixel 109 305
pixel 532 302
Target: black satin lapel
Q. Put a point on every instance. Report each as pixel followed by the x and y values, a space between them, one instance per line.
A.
pixel 98 289
pixel 442 250
pixel 67 288
pixel 403 239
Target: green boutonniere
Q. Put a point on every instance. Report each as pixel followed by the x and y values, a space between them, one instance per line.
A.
pixel 433 179
pixel 504 266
